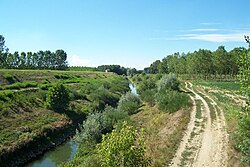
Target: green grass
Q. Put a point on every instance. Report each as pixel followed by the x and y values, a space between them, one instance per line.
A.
pixel 162 138
pixel 198 109
pixel 23 116
pixel 231 86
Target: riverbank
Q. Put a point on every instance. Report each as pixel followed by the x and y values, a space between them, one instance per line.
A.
pixel 28 128
pixel 51 139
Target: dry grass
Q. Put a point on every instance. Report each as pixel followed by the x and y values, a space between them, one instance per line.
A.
pixel 164 132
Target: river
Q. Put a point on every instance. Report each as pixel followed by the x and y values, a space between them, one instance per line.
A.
pixel 62 153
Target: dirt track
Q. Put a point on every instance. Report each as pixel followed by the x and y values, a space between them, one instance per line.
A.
pixel 205 141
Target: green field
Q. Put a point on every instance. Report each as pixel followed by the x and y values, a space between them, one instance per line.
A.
pixel 231 86
pixel 24 119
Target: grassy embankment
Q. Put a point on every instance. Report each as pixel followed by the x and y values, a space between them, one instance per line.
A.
pixel 27 127
pixel 227 96
pixel 164 126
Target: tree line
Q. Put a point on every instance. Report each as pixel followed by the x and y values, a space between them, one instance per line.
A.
pixel 103 68
pixel 199 63
pixel 37 60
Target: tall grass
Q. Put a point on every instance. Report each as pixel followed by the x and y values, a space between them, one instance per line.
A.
pixel 171 101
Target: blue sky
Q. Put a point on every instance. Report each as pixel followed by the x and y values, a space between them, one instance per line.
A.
pixel 132 33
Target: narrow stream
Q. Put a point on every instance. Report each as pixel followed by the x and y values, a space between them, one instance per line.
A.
pixel 54 157
pixel 61 153
pixel 133 89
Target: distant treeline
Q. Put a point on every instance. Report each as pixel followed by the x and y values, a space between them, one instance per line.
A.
pixel 39 60
pixel 199 63
pixel 104 68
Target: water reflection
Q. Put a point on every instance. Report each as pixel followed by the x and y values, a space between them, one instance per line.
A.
pixel 53 158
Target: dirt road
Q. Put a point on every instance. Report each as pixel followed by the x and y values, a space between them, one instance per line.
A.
pixel 205 141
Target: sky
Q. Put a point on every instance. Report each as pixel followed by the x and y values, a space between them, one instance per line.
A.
pixel 131 33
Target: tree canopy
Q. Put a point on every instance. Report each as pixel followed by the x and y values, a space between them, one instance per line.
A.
pixel 202 62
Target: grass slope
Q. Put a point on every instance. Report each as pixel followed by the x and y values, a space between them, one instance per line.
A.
pixel 164 131
pixel 26 125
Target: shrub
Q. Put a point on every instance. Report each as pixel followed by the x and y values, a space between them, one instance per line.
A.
pixel 244 135
pixel 94 126
pixel 129 103
pixel 168 82
pixel 146 84
pixel 124 147
pixel 102 96
pixel 115 115
pixel 57 98
pixel 171 101
pixel 6 95
pixel 149 96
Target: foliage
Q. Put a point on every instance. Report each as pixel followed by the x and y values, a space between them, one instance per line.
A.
pixel 101 97
pixel 244 135
pixel 123 147
pixel 203 64
pixel 171 101
pixel 40 60
pixel 94 126
pixel 80 68
pixel 148 96
pixel 113 68
pixel 168 82
pixel 146 84
pixel 19 85
pixel 244 123
pixel 57 98
pixel 129 103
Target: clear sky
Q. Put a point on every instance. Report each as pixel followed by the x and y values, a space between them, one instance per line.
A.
pixel 132 33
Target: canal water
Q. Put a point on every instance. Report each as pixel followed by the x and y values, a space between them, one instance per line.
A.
pixel 62 153
pixel 54 157
pixel 133 89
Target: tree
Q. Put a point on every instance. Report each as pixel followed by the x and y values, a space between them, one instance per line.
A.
pixel 244 122
pixel 61 59
pixel 220 60
pixel 2 44
pixel 155 67
pixel 123 147
pixel 164 66
pixel 168 82
pixel 57 98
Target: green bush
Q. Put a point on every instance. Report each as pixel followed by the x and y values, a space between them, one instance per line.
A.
pixel 244 135
pixel 115 115
pixel 168 82
pixel 129 103
pixel 171 101
pixel 101 97
pixel 146 84
pixel 57 98
pixel 94 126
pixel 148 96
pixel 124 147
pixel 6 95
